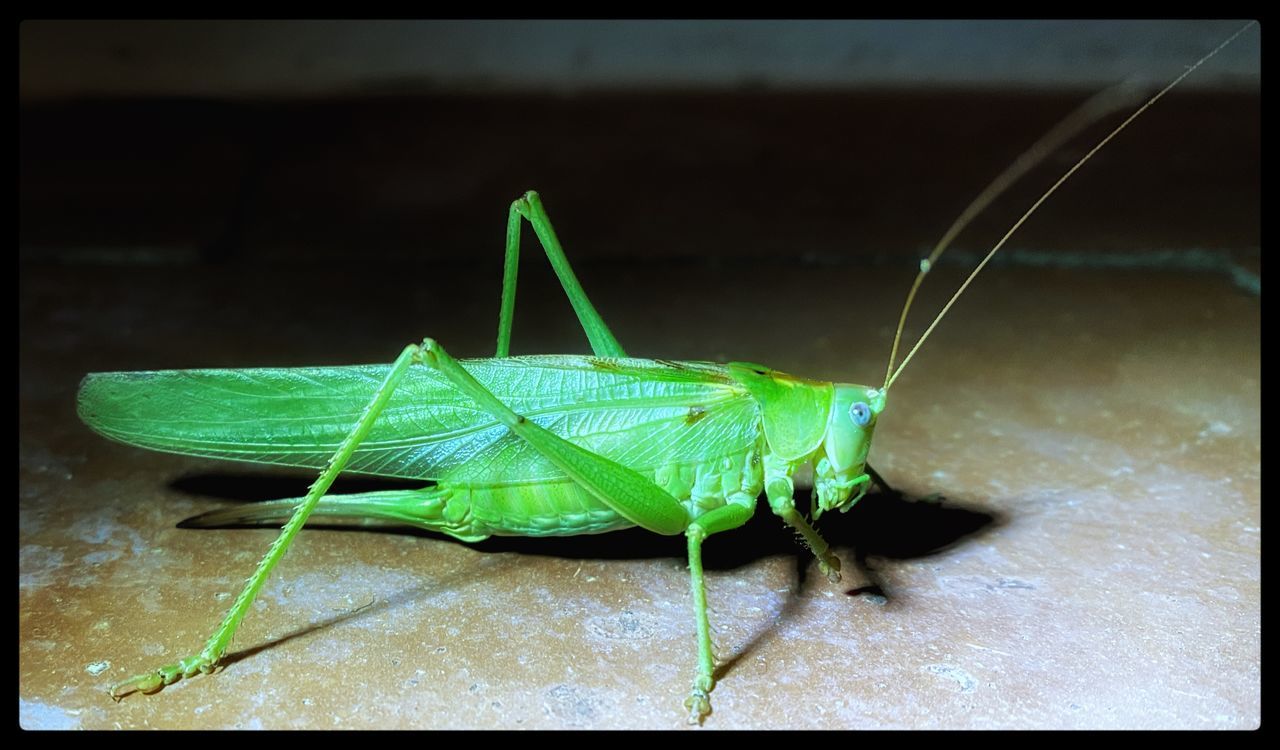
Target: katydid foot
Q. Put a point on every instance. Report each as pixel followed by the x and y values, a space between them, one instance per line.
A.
pixel 699 701
pixel 153 681
pixel 830 567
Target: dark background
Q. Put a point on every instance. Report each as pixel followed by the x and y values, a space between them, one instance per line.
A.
pixel 376 143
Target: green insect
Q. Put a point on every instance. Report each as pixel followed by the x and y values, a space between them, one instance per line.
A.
pixel 552 445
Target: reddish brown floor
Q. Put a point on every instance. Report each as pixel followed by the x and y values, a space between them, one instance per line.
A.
pixel 1095 563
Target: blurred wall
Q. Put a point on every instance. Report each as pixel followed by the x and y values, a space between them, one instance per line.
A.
pixel 310 58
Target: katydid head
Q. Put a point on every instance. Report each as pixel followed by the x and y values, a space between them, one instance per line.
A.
pixel 829 424
pixel 841 463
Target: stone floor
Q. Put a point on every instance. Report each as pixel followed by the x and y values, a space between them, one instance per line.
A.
pixel 1094 561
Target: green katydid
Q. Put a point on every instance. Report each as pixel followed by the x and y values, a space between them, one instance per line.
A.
pixel 538 446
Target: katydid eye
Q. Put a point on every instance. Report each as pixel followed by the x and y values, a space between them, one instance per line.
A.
pixel 861 414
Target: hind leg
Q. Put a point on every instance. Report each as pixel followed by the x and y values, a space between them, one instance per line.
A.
pixel 529 208
pixel 216 647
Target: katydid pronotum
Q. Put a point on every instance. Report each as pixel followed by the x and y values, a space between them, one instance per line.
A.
pixel 537 446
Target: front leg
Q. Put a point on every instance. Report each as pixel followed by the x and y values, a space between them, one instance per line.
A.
pixel 780 490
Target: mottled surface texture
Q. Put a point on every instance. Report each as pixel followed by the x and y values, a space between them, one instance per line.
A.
pixel 1096 435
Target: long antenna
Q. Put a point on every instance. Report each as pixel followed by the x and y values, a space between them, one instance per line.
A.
pixel 1063 130
pixel 1085 115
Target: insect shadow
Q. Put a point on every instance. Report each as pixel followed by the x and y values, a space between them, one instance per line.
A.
pixel 883 525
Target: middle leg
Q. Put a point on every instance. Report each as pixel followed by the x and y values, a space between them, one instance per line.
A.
pixel 736 513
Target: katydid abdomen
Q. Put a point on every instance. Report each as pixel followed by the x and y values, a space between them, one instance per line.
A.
pixel 473 512
pixel 689 427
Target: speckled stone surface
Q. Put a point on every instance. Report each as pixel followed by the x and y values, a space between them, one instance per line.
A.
pixel 1095 561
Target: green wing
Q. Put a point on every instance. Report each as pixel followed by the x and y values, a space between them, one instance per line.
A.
pixel 639 413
